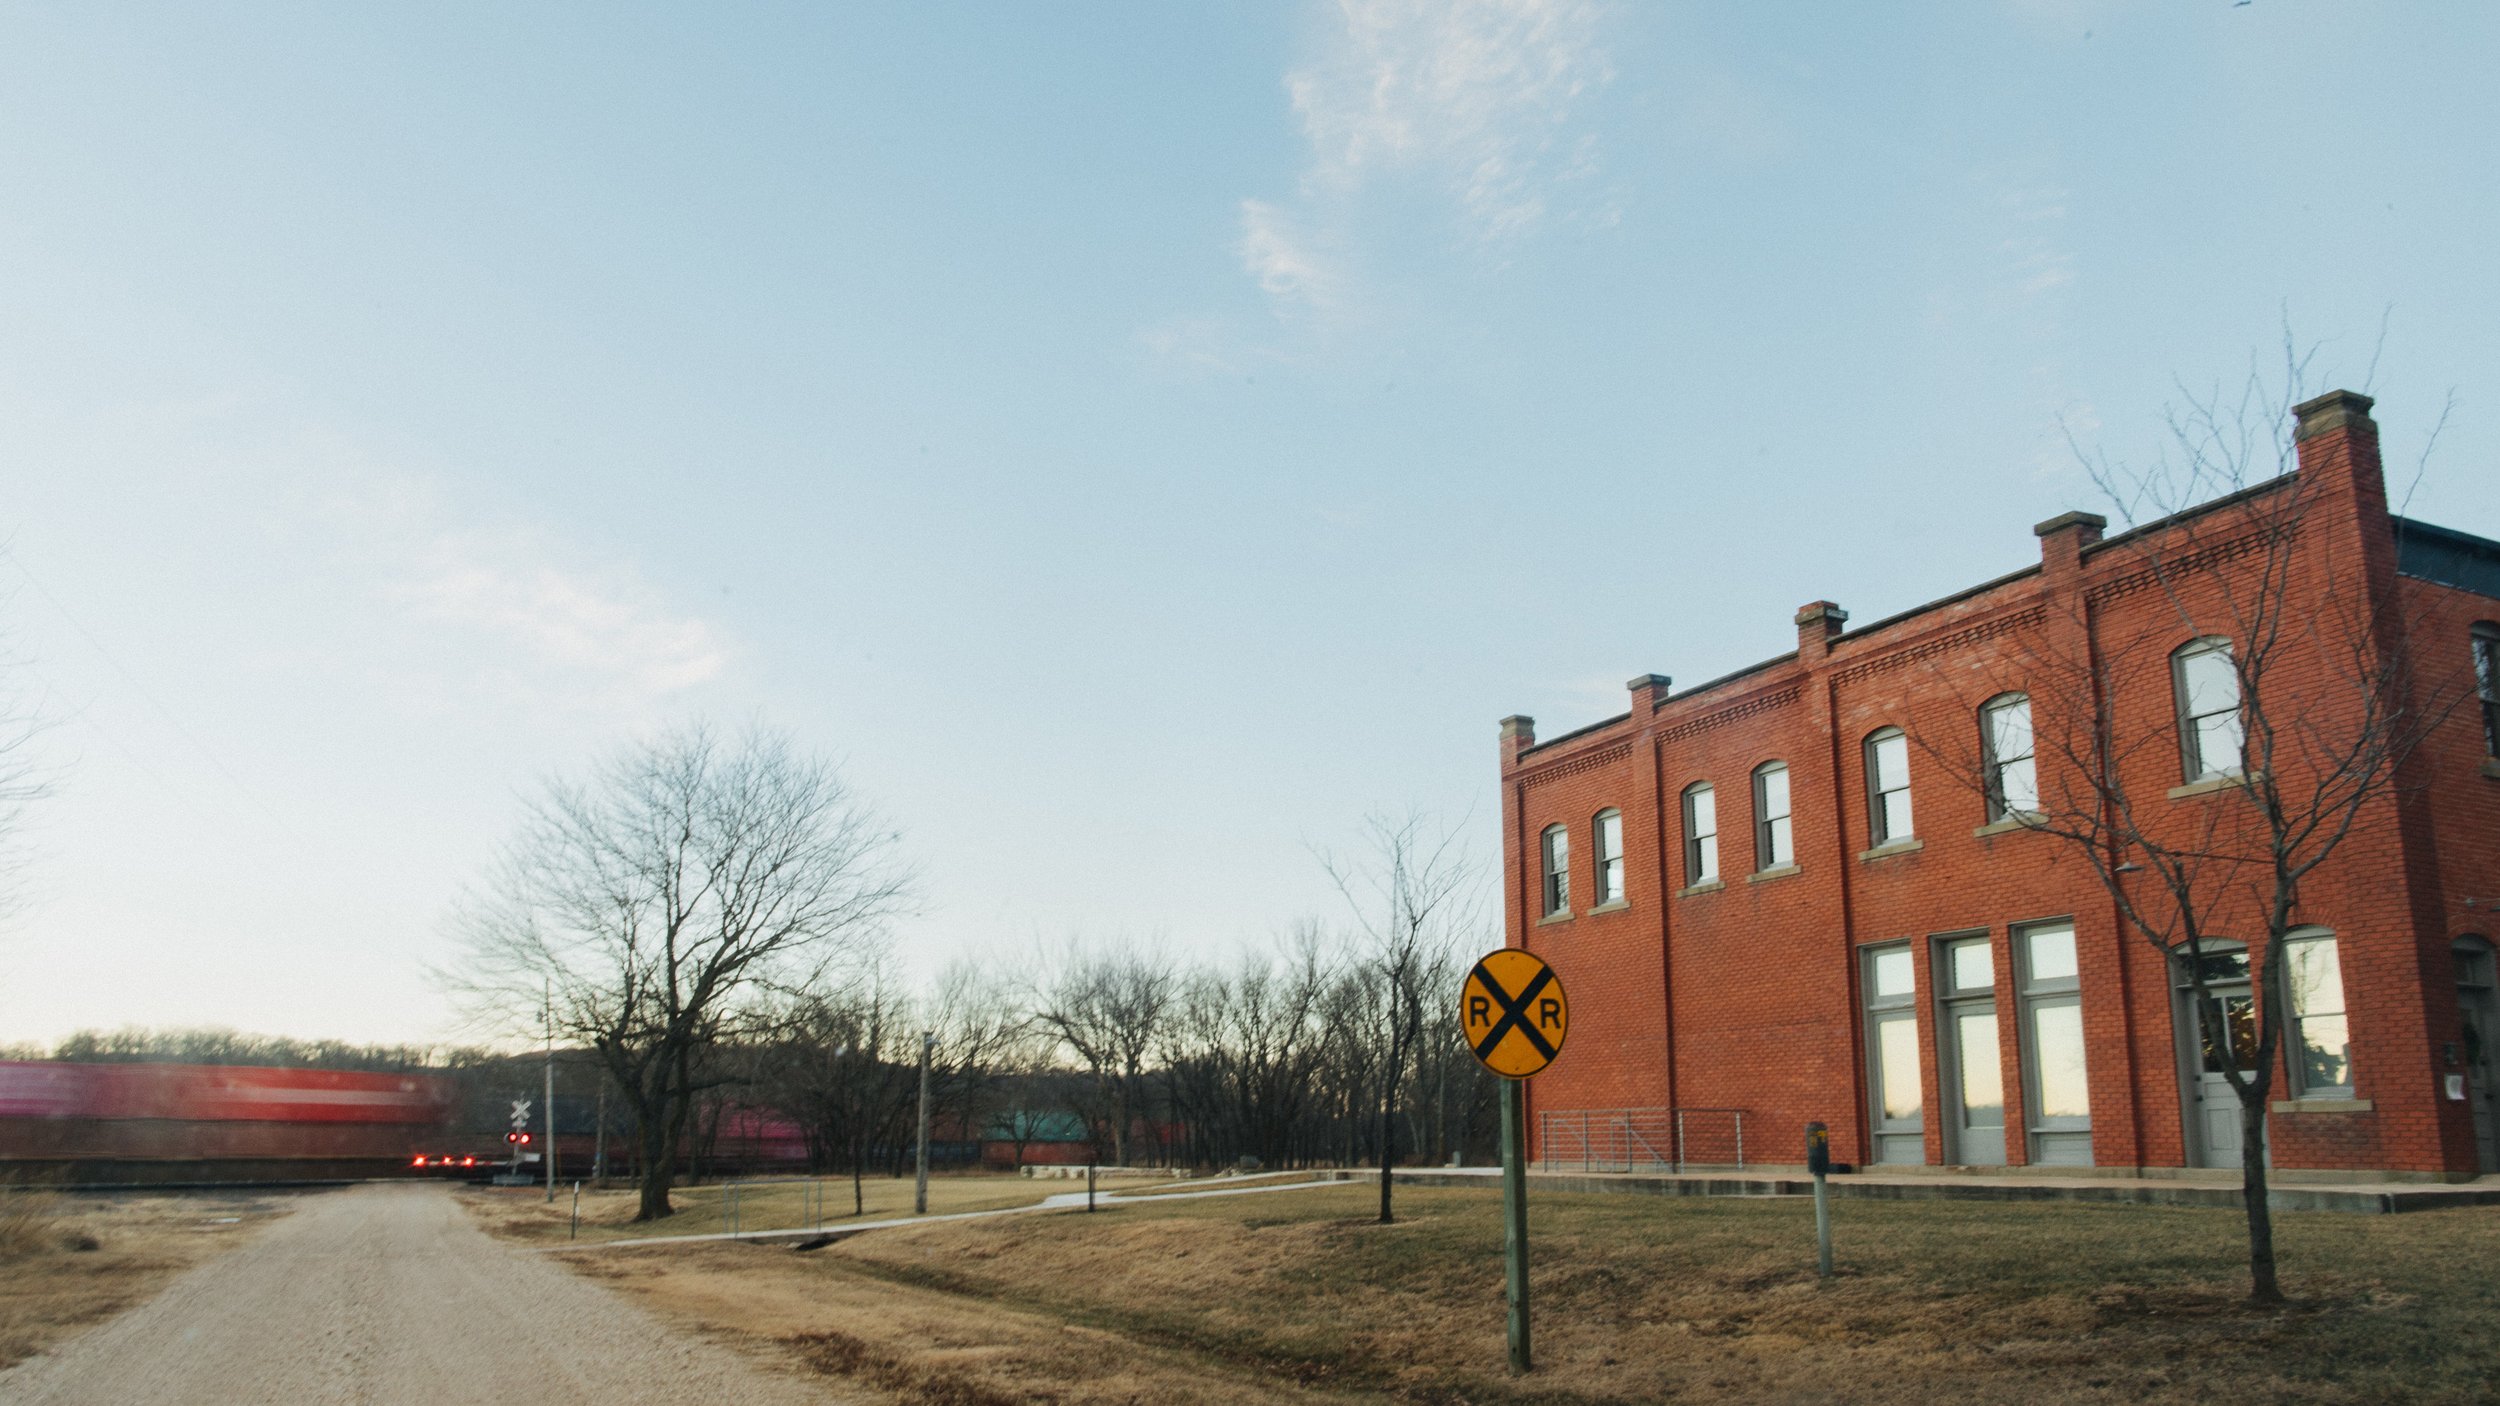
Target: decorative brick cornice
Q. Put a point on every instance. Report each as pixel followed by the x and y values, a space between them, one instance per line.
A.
pixel 2201 559
pixel 1751 707
pixel 1573 766
pixel 1943 643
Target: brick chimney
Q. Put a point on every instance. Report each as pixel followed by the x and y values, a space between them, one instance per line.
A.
pixel 1818 624
pixel 1649 693
pixel 1518 735
pixel 2338 446
pixel 2062 542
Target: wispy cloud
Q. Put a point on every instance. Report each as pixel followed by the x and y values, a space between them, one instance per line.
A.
pixel 1277 250
pixel 1477 93
pixel 1474 101
pixel 612 632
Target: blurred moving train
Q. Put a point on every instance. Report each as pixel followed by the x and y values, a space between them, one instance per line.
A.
pixel 146 1122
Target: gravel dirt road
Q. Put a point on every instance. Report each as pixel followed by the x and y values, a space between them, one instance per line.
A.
pixel 389 1294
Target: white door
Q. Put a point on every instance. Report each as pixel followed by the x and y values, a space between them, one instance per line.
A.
pixel 2213 1109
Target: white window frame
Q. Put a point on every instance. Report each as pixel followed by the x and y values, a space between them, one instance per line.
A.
pixel 1607 828
pixel 1997 767
pixel 1554 855
pixel 2192 758
pixel 1701 847
pixel 1881 787
pixel 2296 1006
pixel 1774 836
pixel 2486 636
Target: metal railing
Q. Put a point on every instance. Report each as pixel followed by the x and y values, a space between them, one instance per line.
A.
pixel 1640 1139
pixel 811 1199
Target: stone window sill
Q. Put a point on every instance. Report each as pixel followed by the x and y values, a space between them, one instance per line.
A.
pixel 1615 907
pixel 1784 871
pixel 2321 1105
pixel 1705 886
pixel 2212 784
pixel 2017 820
pixel 1891 848
pixel 1552 918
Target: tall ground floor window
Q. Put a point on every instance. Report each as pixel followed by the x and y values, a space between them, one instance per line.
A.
pixel 1898 1116
pixel 2056 1094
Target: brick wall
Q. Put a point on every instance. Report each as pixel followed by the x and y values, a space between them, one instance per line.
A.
pixel 1745 994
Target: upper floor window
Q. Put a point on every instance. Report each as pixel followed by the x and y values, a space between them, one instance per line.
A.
pixel 2487 682
pixel 1888 785
pixel 1610 856
pixel 2005 751
pixel 2321 1042
pixel 1557 849
pixel 2210 740
pixel 1771 847
pixel 1701 834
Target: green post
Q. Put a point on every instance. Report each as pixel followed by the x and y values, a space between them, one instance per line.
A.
pixel 1515 1216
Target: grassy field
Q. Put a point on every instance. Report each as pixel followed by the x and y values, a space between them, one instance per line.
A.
pixel 1297 1295
pixel 70 1261
pixel 523 1212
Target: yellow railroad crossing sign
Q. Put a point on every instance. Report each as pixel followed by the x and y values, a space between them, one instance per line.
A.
pixel 1512 1010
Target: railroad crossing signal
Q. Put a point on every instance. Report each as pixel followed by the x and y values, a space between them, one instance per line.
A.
pixel 520 1113
pixel 1513 1013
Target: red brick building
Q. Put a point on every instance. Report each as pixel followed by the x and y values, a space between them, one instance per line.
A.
pixel 1822 888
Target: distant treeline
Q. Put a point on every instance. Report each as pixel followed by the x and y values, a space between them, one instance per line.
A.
pixel 139 1045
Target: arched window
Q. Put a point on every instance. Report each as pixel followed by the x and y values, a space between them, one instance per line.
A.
pixel 2005 750
pixel 2321 1038
pixel 1557 849
pixel 1609 828
pixel 1701 835
pixel 1888 786
pixel 2208 688
pixel 2487 682
pixel 1771 847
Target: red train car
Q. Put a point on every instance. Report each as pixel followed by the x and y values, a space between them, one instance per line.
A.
pixel 188 1122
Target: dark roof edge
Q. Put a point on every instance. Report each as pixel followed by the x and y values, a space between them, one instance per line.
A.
pixel 2461 561
pixel 1940 602
pixel 1560 738
pixel 2237 495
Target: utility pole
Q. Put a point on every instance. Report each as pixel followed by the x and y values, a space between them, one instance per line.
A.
pixel 920 1197
pixel 547 1154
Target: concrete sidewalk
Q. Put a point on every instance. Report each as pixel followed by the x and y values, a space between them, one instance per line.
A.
pixel 2370 1198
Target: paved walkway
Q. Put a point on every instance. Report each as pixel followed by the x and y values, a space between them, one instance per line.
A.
pixel 388 1294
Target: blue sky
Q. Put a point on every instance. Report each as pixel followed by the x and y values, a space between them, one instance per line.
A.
pixel 1136 442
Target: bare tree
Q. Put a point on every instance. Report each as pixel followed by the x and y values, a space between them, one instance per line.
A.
pixel 660 899
pixel 1107 1005
pixel 2303 707
pixel 1411 891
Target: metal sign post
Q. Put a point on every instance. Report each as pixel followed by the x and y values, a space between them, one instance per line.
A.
pixel 1512 1010
pixel 1819 1162
pixel 1515 1218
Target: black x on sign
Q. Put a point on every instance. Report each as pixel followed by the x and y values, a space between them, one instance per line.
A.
pixel 1512 1011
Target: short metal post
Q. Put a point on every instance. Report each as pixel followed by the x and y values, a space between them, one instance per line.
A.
pixel 920 1193
pixel 577 1212
pixel 1822 1228
pixel 730 1193
pixel 1679 1142
pixel 1515 1218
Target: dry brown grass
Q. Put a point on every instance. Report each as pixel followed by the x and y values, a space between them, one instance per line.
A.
pixel 68 1261
pixel 1296 1294
pixel 523 1213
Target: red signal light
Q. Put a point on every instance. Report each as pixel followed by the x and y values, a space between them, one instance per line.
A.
pixel 420 1160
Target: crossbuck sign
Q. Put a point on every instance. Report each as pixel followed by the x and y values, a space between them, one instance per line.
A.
pixel 1513 1013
